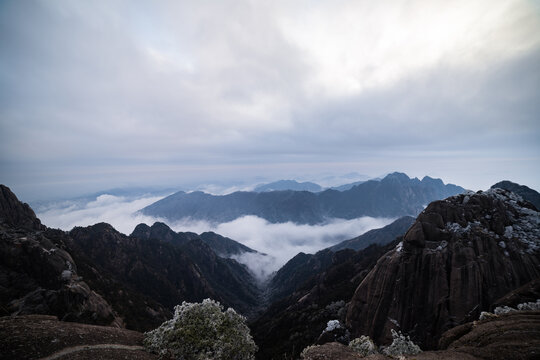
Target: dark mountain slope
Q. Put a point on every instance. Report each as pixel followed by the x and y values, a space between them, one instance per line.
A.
pixel 233 282
pixel 395 195
pixel 38 275
pixel 380 236
pixel 459 257
pixel 525 192
pixel 296 272
pixel 221 245
pixel 167 273
pixel 292 323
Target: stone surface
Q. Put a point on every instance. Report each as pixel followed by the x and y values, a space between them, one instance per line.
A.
pixel 39 336
pixel 509 336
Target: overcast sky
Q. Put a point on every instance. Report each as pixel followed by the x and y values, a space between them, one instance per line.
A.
pixel 102 94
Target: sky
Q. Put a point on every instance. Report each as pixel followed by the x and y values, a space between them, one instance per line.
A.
pixel 105 94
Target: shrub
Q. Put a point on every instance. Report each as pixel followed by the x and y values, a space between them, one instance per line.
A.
pixel 200 331
pixel 401 345
pixel 305 353
pixel 363 345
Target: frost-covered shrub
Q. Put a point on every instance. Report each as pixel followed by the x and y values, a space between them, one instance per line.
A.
pixel 332 325
pixel 304 353
pixel 201 331
pixel 484 315
pixel 499 310
pixel 363 345
pixel 401 345
pixel 530 306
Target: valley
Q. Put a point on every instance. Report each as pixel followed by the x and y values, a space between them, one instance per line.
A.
pixel 465 254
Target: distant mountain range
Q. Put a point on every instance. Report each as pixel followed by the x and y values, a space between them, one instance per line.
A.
pixel 395 195
pixel 294 185
pixel 281 185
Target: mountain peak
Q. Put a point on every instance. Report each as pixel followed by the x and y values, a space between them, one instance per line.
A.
pixel 434 181
pixel 15 213
pixel 396 176
pixel 281 185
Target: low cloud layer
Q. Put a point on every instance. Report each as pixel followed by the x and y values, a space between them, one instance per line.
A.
pixel 284 240
pixel 280 242
pixel 116 210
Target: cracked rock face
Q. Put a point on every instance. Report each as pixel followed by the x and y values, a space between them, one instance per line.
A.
pixel 460 255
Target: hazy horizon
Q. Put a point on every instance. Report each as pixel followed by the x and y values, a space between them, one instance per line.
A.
pixel 114 94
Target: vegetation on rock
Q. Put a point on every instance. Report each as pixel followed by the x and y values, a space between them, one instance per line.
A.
pixel 200 331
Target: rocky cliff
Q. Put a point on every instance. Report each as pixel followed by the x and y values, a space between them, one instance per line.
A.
pixel 38 275
pixel 460 255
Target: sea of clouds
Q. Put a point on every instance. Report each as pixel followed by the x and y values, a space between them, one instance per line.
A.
pixel 275 243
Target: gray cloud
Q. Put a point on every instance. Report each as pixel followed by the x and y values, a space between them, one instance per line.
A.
pixel 113 93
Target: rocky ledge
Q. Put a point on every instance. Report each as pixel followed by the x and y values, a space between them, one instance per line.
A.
pixel 44 337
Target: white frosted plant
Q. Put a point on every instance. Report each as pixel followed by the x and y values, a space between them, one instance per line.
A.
pixel 201 331
pixel 363 346
pixel 529 306
pixel 332 325
pixel 401 345
pixel 499 310
pixel 305 353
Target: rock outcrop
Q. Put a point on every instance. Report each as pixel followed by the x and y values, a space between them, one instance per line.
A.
pixel 461 255
pixel 38 275
pixel 15 214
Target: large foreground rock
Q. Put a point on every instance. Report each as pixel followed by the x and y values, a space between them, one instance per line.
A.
pixel 459 257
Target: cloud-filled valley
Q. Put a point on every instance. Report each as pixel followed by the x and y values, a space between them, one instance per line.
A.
pixel 279 242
